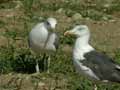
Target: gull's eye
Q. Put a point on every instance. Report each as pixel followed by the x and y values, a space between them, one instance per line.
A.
pixel 47 23
pixel 80 29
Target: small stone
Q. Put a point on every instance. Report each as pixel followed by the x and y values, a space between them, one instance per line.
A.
pixel 41 84
pixel 19 4
pixel 87 18
pixel 77 16
pixel 60 10
pixel 107 5
pixel 41 18
pixel 105 18
pixel 112 20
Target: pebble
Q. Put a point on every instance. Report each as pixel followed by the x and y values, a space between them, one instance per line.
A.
pixel 77 16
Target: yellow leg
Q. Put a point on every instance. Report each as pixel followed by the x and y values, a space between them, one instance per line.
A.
pixel 48 64
pixel 37 67
pixel 95 87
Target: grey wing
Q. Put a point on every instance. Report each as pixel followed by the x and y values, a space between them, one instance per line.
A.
pixel 56 42
pixel 102 66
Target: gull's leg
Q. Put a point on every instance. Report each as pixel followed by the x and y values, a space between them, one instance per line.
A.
pixel 44 62
pixel 95 87
pixel 37 66
pixel 36 62
pixel 48 66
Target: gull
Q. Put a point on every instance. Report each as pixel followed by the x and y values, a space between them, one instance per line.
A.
pixel 90 62
pixel 43 39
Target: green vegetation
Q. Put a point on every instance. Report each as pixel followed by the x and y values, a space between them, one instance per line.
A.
pixel 18 18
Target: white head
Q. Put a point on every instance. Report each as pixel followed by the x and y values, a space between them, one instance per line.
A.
pixel 79 31
pixel 82 42
pixel 52 22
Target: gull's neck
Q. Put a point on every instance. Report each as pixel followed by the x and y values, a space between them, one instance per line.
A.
pixel 81 47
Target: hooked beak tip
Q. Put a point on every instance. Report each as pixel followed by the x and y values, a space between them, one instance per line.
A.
pixel 66 33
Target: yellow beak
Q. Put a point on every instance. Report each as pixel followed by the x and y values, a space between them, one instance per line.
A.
pixel 68 33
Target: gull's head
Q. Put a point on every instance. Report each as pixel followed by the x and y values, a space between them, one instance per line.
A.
pixel 78 31
pixel 52 22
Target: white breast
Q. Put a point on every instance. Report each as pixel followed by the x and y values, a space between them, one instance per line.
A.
pixel 78 51
pixel 38 37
